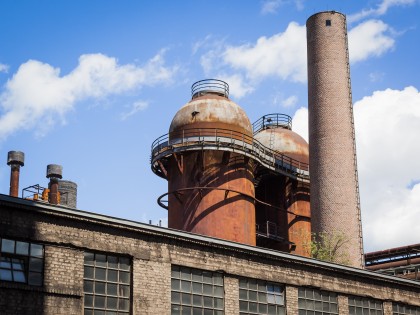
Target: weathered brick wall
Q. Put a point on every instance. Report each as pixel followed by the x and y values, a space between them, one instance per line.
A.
pixel 153 252
pixel 291 300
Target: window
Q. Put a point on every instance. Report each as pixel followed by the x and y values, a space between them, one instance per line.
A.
pixel 106 284
pixel 403 309
pixel 260 297
pixel 316 302
pixel 364 306
pixel 21 262
pixel 195 291
pixel 327 22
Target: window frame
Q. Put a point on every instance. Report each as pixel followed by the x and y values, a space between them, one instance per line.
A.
pixel 186 295
pixel 259 302
pixel 308 296
pixel 103 272
pixel 31 261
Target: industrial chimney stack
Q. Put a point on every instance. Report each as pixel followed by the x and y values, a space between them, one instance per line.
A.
pixel 54 173
pixel 335 204
pixel 15 159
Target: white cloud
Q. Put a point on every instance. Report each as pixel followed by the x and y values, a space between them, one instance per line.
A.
pixel 135 107
pixel 290 101
pixel 381 9
pixel 300 123
pixel 369 39
pixel 37 96
pixel 4 68
pixel 282 55
pixel 387 127
pixel 376 76
pixel 272 6
pixel 238 88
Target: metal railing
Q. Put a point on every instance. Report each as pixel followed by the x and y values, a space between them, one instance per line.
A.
pixel 272 121
pixel 225 140
pixel 210 86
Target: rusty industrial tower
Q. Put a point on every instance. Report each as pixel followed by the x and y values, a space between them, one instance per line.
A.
pixel 214 160
pixel 335 201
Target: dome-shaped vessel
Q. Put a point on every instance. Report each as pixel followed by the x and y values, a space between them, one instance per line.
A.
pixel 211 189
pixel 290 216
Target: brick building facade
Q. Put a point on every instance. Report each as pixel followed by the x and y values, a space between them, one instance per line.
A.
pixel 57 260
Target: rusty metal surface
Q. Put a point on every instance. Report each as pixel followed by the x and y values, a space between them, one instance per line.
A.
pixel 15 157
pixel 285 141
pixel 394 264
pixel 211 111
pixel 54 170
pixel 299 224
pixel 14 180
pixel 53 194
pixel 293 221
pixel 218 213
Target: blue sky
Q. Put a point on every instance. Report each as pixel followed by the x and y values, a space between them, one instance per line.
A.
pixel 90 85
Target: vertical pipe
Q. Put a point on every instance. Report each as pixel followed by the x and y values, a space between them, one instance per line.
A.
pixel 15 159
pixel 54 173
pixel 334 182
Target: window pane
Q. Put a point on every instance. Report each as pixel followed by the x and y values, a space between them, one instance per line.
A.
pixel 7 246
pixel 99 287
pixel 18 264
pixel 22 248
pixel 124 290
pixel 35 278
pixel 112 275
pixel 112 303
pixel 89 272
pixel 99 301
pixel 185 286
pixel 197 287
pixel 88 286
pixel 100 274
pixel 100 260
pixel 88 300
pixel 124 277
pixel 112 262
pixel 124 263
pixel 35 264
pixel 37 250
pixel 6 275
pixel 89 258
pixel 19 276
pixel 197 300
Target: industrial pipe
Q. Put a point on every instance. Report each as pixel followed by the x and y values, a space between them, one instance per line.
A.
pixel 15 159
pixel 54 173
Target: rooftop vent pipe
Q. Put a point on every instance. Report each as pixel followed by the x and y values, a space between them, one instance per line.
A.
pixel 15 159
pixel 54 173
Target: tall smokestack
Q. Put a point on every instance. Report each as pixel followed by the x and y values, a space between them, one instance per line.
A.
pixel 54 173
pixel 335 201
pixel 15 159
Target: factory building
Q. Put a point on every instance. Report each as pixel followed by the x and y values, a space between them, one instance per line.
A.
pixel 242 204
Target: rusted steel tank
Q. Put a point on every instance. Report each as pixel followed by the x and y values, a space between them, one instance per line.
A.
pixel 290 197
pixel 211 192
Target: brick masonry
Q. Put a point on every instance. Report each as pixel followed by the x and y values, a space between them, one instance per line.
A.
pixel 332 158
pixel 67 234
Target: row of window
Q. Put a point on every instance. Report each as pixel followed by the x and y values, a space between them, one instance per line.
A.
pixel 107 287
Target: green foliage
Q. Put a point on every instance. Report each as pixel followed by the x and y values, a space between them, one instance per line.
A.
pixel 330 247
